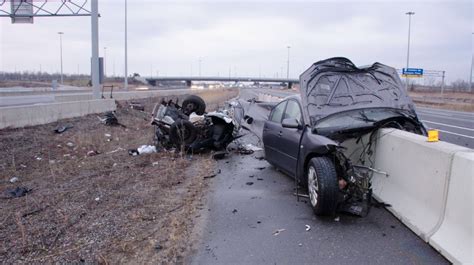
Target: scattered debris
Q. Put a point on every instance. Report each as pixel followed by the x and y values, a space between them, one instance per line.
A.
pixel 337 219
pixel 14 179
pixel 62 128
pixel 253 147
pixel 137 106
pixel 155 163
pixel 260 157
pixel 39 158
pixel 259 222
pixel 23 166
pixel 249 183
pixel 259 178
pixel 92 153
pixel 234 211
pixel 70 144
pixel 109 119
pixel 278 231
pixel 158 246
pixel 244 151
pixel 300 244
pixel 133 152
pixel 107 135
pixel 251 176
pixel 260 168
pixel 308 227
pixel 146 149
pixel 18 192
pixel 392 226
pixel 97 199
pixel 116 150
pixel 219 155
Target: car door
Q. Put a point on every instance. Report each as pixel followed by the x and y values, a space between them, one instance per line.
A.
pixel 289 141
pixel 271 133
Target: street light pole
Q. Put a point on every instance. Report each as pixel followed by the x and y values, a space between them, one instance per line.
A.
pixel 470 73
pixel 61 54
pixel 200 59
pixel 126 50
pixel 105 61
pixel 288 64
pixel 410 13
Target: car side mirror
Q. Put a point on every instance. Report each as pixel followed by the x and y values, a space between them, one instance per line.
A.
pixel 290 123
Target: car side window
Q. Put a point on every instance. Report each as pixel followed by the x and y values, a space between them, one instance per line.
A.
pixel 293 111
pixel 277 112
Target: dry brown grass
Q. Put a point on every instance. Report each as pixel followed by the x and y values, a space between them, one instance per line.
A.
pixel 108 208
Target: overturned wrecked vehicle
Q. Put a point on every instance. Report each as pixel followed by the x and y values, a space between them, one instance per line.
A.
pixel 189 128
pixel 304 135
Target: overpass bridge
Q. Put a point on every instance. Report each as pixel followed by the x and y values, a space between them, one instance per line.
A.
pixel 190 79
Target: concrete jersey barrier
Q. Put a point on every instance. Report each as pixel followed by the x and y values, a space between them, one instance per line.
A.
pixel 21 116
pixel 429 188
pixel 455 238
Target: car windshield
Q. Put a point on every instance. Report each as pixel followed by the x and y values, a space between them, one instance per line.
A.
pixel 358 118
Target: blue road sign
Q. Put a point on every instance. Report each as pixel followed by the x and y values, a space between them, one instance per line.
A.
pixel 412 71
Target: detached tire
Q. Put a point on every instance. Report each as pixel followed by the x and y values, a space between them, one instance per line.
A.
pixel 195 104
pixel 182 132
pixel 322 185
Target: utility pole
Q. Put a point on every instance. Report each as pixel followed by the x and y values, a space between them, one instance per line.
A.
pixel 442 83
pixel 470 73
pixel 410 13
pixel 200 59
pixel 61 54
pixel 126 50
pixel 95 48
pixel 288 64
pixel 105 61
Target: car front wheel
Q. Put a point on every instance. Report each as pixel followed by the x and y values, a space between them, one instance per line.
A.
pixel 322 185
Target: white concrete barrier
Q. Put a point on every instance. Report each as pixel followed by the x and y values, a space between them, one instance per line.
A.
pixel 419 173
pixel 454 238
pixel 21 116
pixel 429 188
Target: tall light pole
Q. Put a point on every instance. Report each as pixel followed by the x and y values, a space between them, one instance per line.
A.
pixel 105 61
pixel 200 60
pixel 410 13
pixel 95 48
pixel 288 64
pixel 470 73
pixel 126 50
pixel 61 54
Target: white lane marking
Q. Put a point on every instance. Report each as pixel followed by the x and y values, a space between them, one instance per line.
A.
pixel 447 125
pixel 458 134
pixel 445 117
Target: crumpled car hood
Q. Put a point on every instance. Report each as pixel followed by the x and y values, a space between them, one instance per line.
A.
pixel 335 85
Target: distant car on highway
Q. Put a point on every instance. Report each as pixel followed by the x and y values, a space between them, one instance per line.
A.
pixel 338 102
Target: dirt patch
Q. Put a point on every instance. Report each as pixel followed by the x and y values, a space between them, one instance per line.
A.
pixel 102 207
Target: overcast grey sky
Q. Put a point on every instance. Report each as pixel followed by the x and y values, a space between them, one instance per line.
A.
pixel 249 38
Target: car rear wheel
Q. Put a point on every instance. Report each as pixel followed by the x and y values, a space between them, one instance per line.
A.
pixel 322 185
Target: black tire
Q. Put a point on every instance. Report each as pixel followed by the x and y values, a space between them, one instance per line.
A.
pixel 195 104
pixel 182 132
pixel 324 190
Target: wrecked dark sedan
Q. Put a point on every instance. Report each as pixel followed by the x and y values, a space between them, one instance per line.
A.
pixel 338 102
